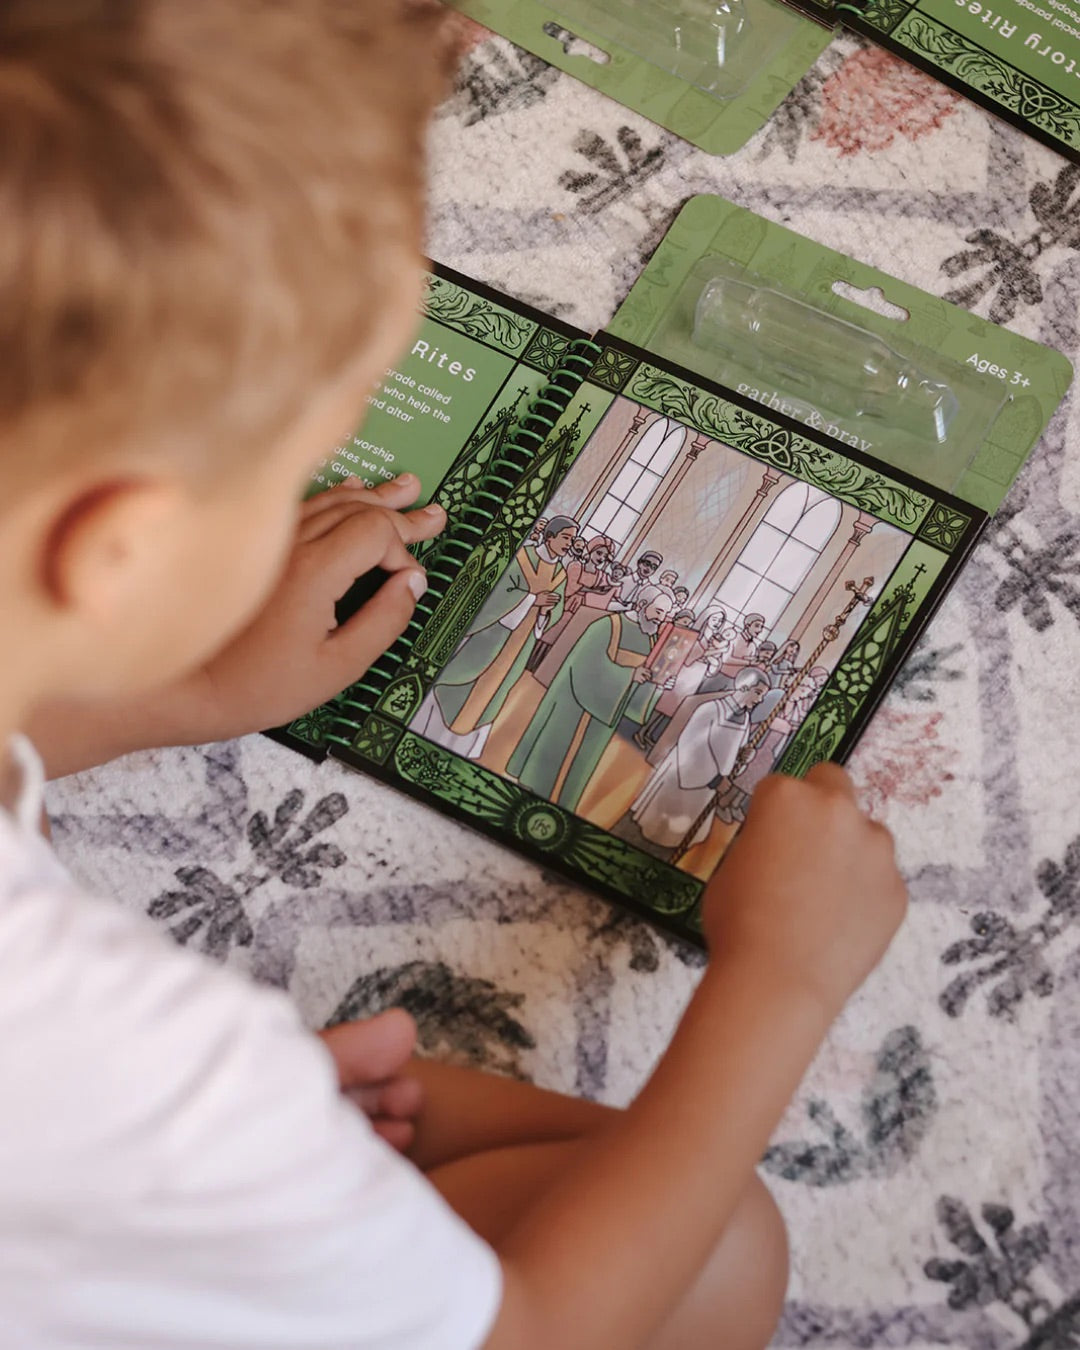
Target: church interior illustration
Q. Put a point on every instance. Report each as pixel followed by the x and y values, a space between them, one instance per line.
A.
pixel 661 635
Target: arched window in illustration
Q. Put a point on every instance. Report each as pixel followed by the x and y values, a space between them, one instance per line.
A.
pixel 778 556
pixel 621 507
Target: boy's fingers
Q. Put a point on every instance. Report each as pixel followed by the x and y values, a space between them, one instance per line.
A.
pixel 833 778
pixel 423 524
pixel 411 526
pixel 375 626
pixel 361 541
pixel 399 1134
pixel 400 1099
pixel 372 1051
pixel 397 494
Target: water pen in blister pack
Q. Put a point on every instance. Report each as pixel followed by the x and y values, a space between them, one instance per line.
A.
pixel 827 360
pixel 706 29
pixel 720 46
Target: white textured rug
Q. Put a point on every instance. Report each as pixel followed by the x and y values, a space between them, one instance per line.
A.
pixel 928 1168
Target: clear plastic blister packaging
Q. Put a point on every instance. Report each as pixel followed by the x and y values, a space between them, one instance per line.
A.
pixel 849 352
pixel 911 405
pixel 711 71
pixel 718 46
pixel 714 71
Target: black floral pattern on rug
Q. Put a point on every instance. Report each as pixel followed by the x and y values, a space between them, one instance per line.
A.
pixel 495 79
pixel 209 912
pixel 995 1265
pixel 471 1021
pixel 797 118
pixel 1006 268
pixel 616 169
pixel 1010 957
pixel 927 668
pixel 644 944
pixel 898 1104
pixel 1041 571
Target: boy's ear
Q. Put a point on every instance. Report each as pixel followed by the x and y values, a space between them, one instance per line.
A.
pixel 106 544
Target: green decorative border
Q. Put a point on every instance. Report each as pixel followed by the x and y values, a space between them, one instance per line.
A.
pixel 477 317
pixel 483 447
pixel 754 434
pixel 450 620
pixel 546 350
pixel 482 798
pixel 883 15
pixel 613 369
pixel 945 527
pixel 309 732
pixel 883 635
pixel 992 81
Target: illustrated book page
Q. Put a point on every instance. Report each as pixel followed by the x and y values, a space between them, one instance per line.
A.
pixel 682 594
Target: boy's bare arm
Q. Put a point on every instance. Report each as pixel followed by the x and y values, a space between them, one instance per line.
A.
pixel 290 658
pixel 800 912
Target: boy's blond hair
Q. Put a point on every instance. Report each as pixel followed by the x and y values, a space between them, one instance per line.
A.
pixel 204 208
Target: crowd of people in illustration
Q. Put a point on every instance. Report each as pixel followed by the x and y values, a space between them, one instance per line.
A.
pixel 614 650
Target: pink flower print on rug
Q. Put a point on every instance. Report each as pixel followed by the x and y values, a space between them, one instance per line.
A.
pixel 901 759
pixel 873 98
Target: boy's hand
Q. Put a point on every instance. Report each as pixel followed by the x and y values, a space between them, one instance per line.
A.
pixel 809 893
pixel 800 910
pixel 371 1059
pixel 292 657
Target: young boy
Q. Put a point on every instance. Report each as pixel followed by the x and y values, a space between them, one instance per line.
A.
pixel 209 252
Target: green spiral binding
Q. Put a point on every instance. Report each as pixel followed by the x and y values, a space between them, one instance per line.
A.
pixel 547 406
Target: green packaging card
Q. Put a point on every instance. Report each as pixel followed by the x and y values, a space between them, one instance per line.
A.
pixel 826 350
pixel 714 71
pixel 713 74
pixel 1019 58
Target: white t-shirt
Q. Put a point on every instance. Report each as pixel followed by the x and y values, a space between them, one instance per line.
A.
pixel 177 1167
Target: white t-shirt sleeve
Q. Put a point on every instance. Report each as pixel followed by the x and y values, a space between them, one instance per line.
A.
pixel 178 1169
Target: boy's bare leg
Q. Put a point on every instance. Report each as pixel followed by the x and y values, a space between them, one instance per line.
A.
pixel 492 1146
pixel 735 1302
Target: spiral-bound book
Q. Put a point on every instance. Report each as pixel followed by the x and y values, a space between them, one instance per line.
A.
pixel 654 589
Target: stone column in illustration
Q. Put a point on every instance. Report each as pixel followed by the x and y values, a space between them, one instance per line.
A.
pixel 861 528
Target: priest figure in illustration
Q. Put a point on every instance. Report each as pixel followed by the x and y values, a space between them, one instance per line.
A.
pixel 705 753
pixel 604 678
pixel 460 708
